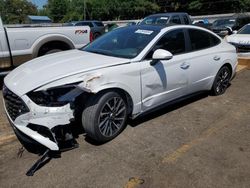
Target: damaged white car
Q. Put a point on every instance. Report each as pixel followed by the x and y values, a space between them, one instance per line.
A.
pixel 122 74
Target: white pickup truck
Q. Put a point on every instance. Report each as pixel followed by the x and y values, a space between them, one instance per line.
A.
pixel 20 44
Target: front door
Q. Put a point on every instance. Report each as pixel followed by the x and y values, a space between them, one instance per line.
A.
pixel 167 79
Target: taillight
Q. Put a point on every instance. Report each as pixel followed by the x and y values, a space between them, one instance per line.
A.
pixel 91 37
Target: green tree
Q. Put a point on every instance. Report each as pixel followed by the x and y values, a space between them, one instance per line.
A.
pixel 16 11
pixel 57 9
pixel 195 5
pixel 244 5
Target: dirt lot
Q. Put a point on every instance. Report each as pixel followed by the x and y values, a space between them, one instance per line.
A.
pixel 203 142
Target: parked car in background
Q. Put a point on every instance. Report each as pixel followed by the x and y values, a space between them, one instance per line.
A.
pixel 20 44
pixel 122 74
pixel 202 23
pixel 131 23
pixel 223 27
pixel 241 40
pixel 110 26
pixel 167 18
pixel 97 27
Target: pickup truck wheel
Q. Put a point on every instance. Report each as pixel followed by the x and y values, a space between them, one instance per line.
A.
pixel 53 51
pixel 104 116
pixel 96 35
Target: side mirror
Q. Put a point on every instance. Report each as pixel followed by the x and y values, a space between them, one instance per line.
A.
pixel 161 54
pixel 229 30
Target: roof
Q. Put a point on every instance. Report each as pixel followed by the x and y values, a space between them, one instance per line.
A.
pixel 45 18
pixel 168 14
pixel 83 21
pixel 157 28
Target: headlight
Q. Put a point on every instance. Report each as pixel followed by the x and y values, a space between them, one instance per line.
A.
pixel 56 96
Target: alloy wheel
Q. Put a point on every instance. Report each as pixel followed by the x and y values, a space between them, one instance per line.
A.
pixel 223 79
pixel 112 116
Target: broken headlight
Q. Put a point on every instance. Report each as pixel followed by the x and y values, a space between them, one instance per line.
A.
pixel 56 96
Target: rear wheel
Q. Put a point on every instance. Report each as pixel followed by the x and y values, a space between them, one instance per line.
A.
pixel 96 35
pixel 221 81
pixel 104 116
pixel 53 51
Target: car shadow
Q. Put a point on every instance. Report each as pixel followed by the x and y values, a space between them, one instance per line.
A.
pixel 166 108
pixel 159 111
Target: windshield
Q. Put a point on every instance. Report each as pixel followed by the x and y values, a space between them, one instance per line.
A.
pixel 224 22
pixel 126 42
pixel 244 30
pixel 155 20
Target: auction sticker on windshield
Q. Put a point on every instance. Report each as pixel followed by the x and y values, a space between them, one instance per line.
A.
pixel 164 18
pixel 145 32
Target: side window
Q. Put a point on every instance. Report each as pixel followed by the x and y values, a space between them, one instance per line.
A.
pixel 85 24
pixel 201 39
pixel 175 20
pixel 99 24
pixel 173 41
pixel 185 18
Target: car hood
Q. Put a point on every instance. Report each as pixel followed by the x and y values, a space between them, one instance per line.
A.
pixel 47 69
pixel 239 39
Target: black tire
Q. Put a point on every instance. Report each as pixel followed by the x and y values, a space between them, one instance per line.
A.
pixel 221 81
pixel 53 51
pixel 100 121
pixel 96 35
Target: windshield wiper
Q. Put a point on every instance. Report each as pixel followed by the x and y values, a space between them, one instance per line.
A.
pixel 102 52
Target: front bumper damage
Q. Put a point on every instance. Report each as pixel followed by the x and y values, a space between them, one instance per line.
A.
pixel 35 125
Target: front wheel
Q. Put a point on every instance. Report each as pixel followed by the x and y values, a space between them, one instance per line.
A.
pixel 221 81
pixel 104 116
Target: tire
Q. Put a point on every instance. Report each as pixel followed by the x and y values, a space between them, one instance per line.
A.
pixel 96 35
pixel 52 51
pixel 104 116
pixel 221 81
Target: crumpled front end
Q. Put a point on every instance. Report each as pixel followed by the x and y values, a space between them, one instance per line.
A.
pixel 36 118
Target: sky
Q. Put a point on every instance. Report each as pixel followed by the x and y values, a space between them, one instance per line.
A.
pixel 39 3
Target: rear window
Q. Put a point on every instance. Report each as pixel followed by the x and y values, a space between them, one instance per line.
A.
pixel 155 20
pixel 99 24
pixel 201 39
pixel 175 20
pixel 84 24
pixel 243 21
pixel 185 18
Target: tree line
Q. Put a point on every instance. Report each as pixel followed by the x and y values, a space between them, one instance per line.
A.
pixel 16 11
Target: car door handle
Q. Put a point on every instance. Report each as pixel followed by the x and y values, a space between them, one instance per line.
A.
pixel 216 58
pixel 185 66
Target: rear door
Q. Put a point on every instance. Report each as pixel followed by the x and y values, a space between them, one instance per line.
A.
pixel 204 57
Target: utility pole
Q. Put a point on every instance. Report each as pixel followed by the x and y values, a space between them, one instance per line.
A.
pixel 84 10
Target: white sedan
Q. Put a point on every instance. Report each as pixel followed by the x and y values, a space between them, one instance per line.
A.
pixel 241 40
pixel 122 74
